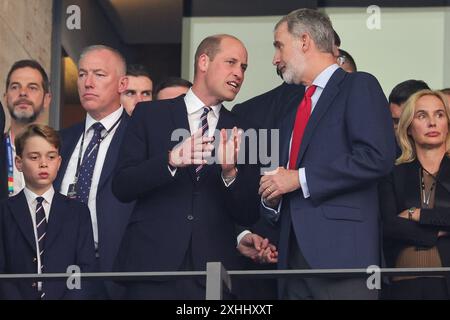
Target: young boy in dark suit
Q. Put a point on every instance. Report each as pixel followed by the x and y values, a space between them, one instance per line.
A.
pixel 42 231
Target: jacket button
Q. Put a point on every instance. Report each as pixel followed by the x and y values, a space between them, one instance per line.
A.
pixel 34 285
pixel 34 259
pixel 190 217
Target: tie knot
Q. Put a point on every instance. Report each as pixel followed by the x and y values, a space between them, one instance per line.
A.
pixel 310 91
pixel 39 200
pixel 98 127
pixel 206 109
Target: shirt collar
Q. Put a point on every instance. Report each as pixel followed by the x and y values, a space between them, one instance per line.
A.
pixel 107 121
pixel 31 196
pixel 194 104
pixel 322 79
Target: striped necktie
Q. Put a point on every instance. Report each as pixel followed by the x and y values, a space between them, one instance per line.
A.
pixel 41 229
pixel 204 126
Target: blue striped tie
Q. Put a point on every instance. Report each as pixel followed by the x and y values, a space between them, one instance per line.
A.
pixel 41 229
pixel 204 126
pixel 84 182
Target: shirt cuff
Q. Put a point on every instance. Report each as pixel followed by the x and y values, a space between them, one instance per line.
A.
pixel 303 183
pixel 172 172
pixel 274 211
pixel 241 235
pixel 228 181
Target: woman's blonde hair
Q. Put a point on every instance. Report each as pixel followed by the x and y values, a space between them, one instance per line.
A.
pixel 405 140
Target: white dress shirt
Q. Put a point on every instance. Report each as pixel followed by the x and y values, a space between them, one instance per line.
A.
pixel 32 203
pixel 194 107
pixel 69 176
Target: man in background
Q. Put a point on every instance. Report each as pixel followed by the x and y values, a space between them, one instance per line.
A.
pixel 3 174
pixel 27 95
pixel 400 94
pixel 139 88
pixel 171 87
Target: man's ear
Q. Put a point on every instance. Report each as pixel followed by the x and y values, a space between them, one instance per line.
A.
pixel 203 62
pixel 18 161
pixel 305 42
pixel 59 162
pixel 47 100
pixel 123 84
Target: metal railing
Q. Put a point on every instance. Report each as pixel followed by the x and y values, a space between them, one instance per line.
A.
pixel 218 278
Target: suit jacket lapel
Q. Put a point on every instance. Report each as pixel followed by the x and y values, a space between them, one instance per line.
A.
pixel 286 129
pixel 21 213
pixel 55 219
pixel 412 185
pixel 442 196
pixel 113 151
pixel 326 98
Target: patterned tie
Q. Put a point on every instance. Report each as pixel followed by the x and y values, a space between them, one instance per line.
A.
pixel 204 126
pixel 41 229
pixel 84 182
pixel 301 119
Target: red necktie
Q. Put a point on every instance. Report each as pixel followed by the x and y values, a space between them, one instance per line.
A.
pixel 301 119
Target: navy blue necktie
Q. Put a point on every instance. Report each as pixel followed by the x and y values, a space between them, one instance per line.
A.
pixel 84 181
pixel 41 230
pixel 204 126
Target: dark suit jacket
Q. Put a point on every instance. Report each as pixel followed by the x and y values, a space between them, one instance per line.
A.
pixel 268 109
pixel 265 112
pixel 400 191
pixel 175 213
pixel 68 242
pixel 112 215
pixel 3 159
pixel 348 145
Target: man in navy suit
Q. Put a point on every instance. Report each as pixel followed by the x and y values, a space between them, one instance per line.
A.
pixel 101 79
pixel 186 209
pixel 42 231
pixel 263 112
pixel 325 195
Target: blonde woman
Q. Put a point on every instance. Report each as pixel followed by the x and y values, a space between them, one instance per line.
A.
pixel 415 198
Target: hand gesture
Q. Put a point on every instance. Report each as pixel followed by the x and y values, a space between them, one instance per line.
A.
pixel 258 249
pixel 228 151
pixel 191 151
pixel 274 184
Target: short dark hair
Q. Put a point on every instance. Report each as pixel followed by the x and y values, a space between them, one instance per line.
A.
pixel 170 82
pixel 39 130
pixel 348 58
pixel 405 89
pixel 138 70
pixel 33 64
pixel 446 91
pixel 210 46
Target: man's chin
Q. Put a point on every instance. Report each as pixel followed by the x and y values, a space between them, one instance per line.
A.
pixel 24 118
